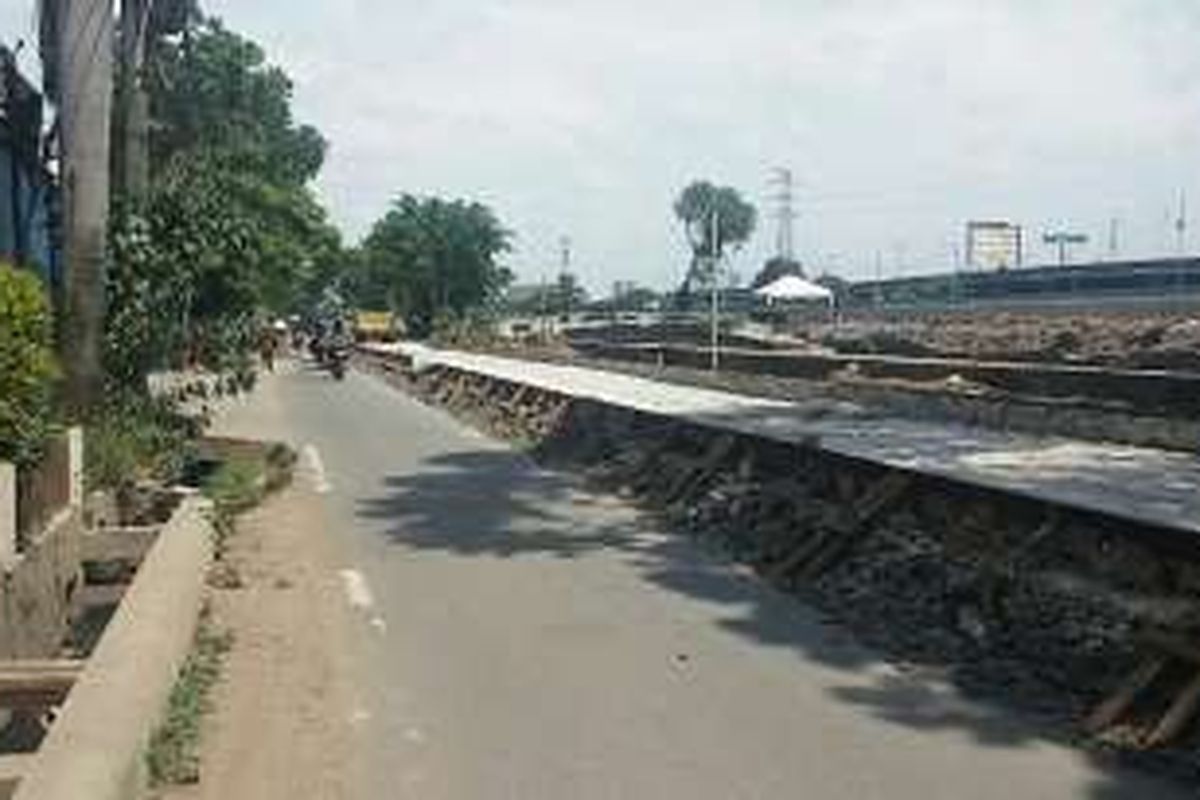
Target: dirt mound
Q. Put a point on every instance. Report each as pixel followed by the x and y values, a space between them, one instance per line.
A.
pixel 1132 341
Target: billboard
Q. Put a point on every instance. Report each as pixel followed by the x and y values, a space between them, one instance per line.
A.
pixel 993 244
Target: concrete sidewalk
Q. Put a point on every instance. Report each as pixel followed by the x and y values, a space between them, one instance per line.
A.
pixel 1153 486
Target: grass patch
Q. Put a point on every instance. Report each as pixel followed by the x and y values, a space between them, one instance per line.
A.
pixel 243 478
pixel 237 485
pixel 173 756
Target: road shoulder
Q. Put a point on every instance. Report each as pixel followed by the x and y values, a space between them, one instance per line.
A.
pixel 285 711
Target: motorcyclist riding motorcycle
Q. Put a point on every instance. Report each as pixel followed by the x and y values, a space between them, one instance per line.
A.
pixel 335 348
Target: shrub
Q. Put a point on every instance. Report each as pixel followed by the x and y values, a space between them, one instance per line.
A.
pixel 28 371
pixel 135 436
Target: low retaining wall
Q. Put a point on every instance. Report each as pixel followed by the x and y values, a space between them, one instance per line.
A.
pixel 1144 409
pixel 38 589
pixel 96 747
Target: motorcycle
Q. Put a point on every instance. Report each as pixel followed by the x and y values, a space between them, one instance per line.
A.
pixel 336 358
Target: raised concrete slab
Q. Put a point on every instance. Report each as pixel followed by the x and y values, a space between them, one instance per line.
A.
pixel 1140 484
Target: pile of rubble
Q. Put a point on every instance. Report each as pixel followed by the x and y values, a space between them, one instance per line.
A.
pixel 1150 341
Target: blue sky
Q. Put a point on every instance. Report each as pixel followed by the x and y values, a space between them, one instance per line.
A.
pixel 902 119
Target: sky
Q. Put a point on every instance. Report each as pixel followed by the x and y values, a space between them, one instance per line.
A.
pixel 901 119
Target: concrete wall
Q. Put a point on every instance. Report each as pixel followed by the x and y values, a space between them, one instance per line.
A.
pixel 38 584
pixel 96 747
pixel 37 591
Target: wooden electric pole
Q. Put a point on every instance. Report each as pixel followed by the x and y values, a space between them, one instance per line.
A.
pixel 84 66
pixel 133 153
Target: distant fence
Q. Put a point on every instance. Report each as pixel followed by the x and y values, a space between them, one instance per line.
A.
pixel 1164 284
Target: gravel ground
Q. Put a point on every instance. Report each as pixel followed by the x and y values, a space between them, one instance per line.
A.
pixel 1127 340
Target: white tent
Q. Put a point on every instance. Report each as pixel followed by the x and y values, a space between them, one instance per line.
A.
pixel 793 287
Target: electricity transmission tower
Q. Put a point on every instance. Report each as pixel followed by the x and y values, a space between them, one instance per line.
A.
pixel 784 213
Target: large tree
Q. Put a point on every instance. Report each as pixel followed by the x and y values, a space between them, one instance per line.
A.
pixel 427 257
pixel 228 227
pixel 696 207
pixel 213 89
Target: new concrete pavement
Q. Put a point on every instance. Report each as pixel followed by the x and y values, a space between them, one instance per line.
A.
pixel 529 640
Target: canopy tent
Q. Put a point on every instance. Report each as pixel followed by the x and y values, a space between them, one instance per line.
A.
pixel 793 287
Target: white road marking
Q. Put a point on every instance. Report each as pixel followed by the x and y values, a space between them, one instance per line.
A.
pixel 317 469
pixel 379 623
pixel 359 716
pixel 357 591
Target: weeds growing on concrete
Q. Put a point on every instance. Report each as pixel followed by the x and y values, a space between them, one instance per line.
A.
pixel 173 756
pixel 242 482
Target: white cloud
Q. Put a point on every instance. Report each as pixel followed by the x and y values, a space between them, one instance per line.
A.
pixel 902 118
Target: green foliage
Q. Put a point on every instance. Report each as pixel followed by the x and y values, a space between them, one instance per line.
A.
pixel 774 269
pixel 173 756
pixel 228 228
pixel 428 257
pixel 237 485
pixel 695 208
pixel 134 437
pixel 27 367
pixel 214 89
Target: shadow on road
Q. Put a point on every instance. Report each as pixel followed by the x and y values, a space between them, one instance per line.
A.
pixel 497 503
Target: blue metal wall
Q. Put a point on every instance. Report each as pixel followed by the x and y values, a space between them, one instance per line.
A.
pixel 28 224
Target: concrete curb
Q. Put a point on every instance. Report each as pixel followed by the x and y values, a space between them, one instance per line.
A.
pixel 96 747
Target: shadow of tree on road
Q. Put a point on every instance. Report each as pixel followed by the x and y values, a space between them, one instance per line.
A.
pixel 497 503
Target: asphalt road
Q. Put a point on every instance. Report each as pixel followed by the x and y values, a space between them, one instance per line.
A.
pixel 530 640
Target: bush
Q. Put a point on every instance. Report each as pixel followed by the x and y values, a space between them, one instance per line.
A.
pixel 134 437
pixel 28 371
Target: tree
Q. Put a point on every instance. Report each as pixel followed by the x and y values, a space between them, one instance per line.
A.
pixel 214 90
pixel 228 228
pixel 776 268
pixel 431 257
pixel 695 207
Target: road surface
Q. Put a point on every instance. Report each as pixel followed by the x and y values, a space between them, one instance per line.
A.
pixel 526 639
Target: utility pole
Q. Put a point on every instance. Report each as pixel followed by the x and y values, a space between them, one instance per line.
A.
pixel 1114 238
pixel 84 69
pixel 564 282
pixel 133 148
pixel 715 297
pixel 543 323
pixel 956 255
pixel 1181 225
pixel 878 280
